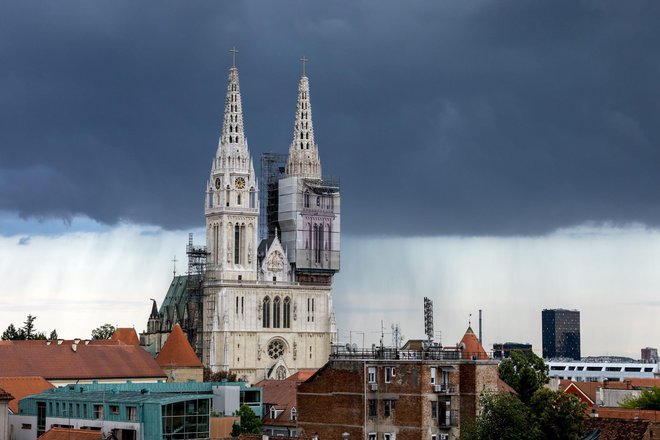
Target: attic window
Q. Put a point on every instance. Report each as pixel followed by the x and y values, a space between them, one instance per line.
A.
pixel 294 414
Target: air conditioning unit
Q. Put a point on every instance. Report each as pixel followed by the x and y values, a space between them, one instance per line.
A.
pixel 374 386
pixel 440 388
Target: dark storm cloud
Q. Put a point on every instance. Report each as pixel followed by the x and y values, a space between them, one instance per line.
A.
pixel 450 117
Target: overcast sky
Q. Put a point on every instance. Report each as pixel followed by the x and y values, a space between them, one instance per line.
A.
pixel 511 121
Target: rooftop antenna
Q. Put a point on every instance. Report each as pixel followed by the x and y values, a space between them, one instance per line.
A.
pixel 174 260
pixel 481 341
pixel 470 320
pixel 428 318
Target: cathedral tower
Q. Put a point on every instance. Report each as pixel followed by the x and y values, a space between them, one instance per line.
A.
pixel 232 202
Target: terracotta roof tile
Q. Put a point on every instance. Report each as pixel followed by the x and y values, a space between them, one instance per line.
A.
pixel 77 361
pixel 22 386
pixel 127 335
pixel 617 429
pixel 585 391
pixel 301 375
pixel 471 347
pixel 282 395
pixel 70 434
pixel 177 352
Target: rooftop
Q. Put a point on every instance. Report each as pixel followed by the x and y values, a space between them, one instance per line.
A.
pixel 22 386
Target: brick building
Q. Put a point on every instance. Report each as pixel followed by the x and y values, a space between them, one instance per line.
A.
pixel 388 393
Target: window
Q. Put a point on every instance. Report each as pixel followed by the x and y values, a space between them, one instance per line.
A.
pixel 306 199
pixel 287 312
pixel 266 312
pixel 26 426
pixel 371 375
pixel 445 378
pixel 237 244
pixel 433 375
pixel 237 305
pixel 276 312
pixel 98 411
pixel 242 304
pixel 371 436
pixel 373 411
pixel 434 409
pixel 114 410
pixel 434 437
pixel 238 200
pixel 388 374
pixel 388 436
pixel 388 406
pixel 294 414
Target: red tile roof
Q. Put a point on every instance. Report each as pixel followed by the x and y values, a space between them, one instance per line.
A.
pixel 585 391
pixel 177 352
pixel 127 335
pixel 471 347
pixel 71 434
pixel 617 429
pixel 67 361
pixel 282 395
pixel 22 386
pixel 4 395
pixel 301 375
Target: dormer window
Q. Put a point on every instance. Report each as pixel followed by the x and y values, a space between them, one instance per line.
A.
pixel 294 414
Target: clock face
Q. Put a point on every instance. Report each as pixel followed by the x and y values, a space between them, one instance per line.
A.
pixel 217 183
pixel 240 183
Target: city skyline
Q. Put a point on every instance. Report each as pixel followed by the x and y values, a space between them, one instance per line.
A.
pixel 488 159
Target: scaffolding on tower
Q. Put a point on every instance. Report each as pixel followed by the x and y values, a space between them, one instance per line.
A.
pixel 273 168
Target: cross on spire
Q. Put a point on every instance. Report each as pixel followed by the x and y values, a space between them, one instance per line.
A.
pixel 174 260
pixel 304 60
pixel 233 51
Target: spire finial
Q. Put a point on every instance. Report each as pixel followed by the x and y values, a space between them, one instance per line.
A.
pixel 470 320
pixel 304 60
pixel 233 51
pixel 174 260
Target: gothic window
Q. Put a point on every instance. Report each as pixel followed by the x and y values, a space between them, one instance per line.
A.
pixel 320 244
pixel 301 146
pixel 210 198
pixel 287 312
pixel 315 243
pixel 237 305
pixel 306 199
pixel 252 197
pixel 237 244
pixel 276 312
pixel 275 349
pixel 238 199
pixel 280 373
pixel 266 312
pixel 227 195
pixel 318 201
pixel 242 304
pixel 308 303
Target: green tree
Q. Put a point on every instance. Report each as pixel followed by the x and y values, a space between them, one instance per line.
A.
pixel 11 334
pixel 250 423
pixel 53 335
pixel 504 416
pixel 28 327
pixel 525 372
pixel 235 430
pixel 103 332
pixel 649 399
pixel 557 415
pixel 210 376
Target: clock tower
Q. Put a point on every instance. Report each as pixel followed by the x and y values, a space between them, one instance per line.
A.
pixel 232 202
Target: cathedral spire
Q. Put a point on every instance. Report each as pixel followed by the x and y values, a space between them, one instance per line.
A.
pixel 303 158
pixel 233 134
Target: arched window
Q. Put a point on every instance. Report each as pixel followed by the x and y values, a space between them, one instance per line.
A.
pixel 227 195
pixel 287 312
pixel 315 242
pixel 238 199
pixel 319 248
pixel 277 312
pixel 306 199
pixel 237 244
pixel 266 312
pixel 252 197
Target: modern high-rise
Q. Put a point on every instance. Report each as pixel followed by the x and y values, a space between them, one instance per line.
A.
pixel 561 333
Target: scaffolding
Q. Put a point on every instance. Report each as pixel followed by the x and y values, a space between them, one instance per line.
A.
pixel 273 168
pixel 195 305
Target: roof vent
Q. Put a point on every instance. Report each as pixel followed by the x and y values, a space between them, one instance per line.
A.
pixel 59 341
pixel 76 341
pixel 144 391
pixel 74 347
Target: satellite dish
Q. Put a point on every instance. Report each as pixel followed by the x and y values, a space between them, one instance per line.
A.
pixel 354 347
pixel 348 347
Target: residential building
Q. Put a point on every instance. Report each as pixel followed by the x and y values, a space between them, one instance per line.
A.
pixel 62 362
pixel 388 393
pixel 257 299
pixel 22 386
pixel 560 334
pixel 280 409
pixel 502 350
pixel 650 355
pixel 131 411
pixel 178 360
pixel 5 398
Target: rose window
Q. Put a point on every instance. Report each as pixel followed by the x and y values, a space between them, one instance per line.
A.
pixel 275 349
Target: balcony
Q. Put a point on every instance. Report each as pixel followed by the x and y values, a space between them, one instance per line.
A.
pixel 449 419
pixel 445 389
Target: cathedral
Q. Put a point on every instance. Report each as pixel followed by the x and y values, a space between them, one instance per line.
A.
pixel 257 299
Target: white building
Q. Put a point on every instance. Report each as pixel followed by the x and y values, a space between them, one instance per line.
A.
pixel 600 371
pixel 267 306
